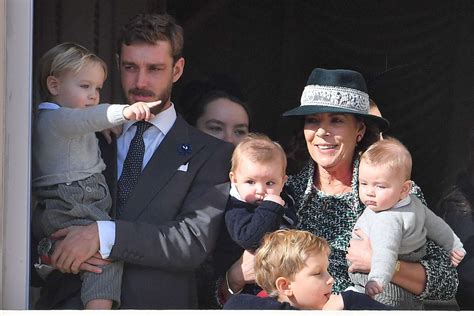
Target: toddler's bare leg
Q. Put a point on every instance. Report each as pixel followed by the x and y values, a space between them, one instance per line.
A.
pixel 99 304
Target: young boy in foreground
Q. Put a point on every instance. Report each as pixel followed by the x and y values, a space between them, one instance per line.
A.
pixel 291 267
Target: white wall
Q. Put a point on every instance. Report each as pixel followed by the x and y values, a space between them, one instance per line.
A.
pixel 2 131
pixel 16 156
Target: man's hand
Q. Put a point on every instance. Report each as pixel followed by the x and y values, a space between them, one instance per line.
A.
pixel 79 244
pixel 107 133
pixel 359 253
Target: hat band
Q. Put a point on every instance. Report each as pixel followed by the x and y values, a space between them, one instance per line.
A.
pixel 340 97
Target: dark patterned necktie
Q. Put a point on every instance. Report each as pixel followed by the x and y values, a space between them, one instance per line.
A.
pixel 132 166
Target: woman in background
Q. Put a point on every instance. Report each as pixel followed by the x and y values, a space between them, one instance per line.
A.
pixel 216 109
pixel 457 209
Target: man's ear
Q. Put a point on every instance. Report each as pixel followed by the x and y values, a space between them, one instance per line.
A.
pixel 53 85
pixel 283 286
pixel 178 69
pixel 405 189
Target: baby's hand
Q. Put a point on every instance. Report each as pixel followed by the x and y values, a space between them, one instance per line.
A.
pixel 139 111
pixel 274 198
pixel 372 288
pixel 457 256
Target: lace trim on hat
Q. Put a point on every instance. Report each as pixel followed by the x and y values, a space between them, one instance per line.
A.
pixel 341 97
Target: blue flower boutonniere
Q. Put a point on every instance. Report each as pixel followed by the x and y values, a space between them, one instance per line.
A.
pixel 185 149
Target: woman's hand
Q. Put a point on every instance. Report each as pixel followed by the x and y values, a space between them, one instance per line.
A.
pixel 239 274
pixel 242 272
pixel 359 253
pixel 411 275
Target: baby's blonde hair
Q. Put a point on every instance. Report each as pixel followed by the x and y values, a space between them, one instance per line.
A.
pixel 283 253
pixel 62 58
pixel 389 152
pixel 258 148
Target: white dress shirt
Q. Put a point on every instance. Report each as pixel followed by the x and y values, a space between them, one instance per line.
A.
pixel 153 136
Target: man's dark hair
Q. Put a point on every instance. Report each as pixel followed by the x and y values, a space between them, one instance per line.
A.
pixel 150 28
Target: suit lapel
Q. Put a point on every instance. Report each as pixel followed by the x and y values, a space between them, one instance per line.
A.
pixel 161 168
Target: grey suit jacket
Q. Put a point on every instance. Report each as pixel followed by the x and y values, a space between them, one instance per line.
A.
pixel 172 219
pixel 169 224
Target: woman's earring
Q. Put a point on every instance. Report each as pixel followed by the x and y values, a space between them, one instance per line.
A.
pixel 359 138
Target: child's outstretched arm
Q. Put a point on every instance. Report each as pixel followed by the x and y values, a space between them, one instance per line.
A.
pixel 140 111
pixel 135 112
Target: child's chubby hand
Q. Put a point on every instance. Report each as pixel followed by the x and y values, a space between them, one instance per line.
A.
pixel 274 198
pixel 334 303
pixel 140 111
pixel 456 256
pixel 373 288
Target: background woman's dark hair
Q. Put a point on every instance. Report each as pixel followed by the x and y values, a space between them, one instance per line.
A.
pixel 459 198
pixel 197 94
pixel 193 113
pixel 470 156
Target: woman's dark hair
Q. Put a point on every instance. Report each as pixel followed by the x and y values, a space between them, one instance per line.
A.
pixel 198 94
pixel 194 112
pixel 371 135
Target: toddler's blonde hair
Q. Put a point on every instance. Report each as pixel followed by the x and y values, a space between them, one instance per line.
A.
pixel 283 253
pixel 63 58
pixel 389 152
pixel 258 148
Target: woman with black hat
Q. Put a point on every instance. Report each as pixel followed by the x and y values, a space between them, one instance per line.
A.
pixel 337 129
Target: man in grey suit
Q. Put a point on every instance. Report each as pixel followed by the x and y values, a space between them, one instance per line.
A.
pixel 169 221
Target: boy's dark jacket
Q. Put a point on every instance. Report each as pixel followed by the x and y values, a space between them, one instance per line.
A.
pixel 352 301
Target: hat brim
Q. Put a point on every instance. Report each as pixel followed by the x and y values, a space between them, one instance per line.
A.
pixel 304 110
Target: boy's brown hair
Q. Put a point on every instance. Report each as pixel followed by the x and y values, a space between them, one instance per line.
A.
pixel 389 152
pixel 258 148
pixel 283 253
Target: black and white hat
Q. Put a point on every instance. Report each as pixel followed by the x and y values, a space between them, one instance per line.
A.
pixel 336 91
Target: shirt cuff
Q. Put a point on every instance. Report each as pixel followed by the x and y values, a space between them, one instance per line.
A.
pixel 106 237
